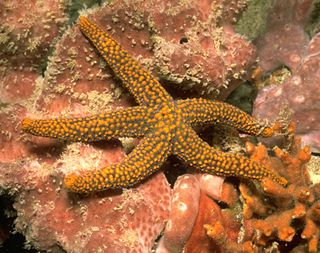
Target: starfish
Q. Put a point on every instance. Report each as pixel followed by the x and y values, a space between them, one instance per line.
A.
pixel 165 124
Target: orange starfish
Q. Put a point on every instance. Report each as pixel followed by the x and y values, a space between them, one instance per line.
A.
pixel 164 124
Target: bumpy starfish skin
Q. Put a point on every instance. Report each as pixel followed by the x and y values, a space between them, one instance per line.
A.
pixel 164 124
pixel 131 122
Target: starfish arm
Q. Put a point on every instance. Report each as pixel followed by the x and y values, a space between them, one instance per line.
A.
pixel 129 122
pixel 144 160
pixel 199 111
pixel 139 81
pixel 197 153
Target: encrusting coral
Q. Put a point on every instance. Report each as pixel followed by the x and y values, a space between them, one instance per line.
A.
pixel 194 209
pixel 282 214
pixel 299 93
pixel 267 217
pixel 76 82
pixel 24 43
pixel 190 44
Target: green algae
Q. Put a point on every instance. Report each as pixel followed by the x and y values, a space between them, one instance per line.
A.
pixel 253 21
pixel 313 25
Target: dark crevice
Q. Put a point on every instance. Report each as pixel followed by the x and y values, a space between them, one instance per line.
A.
pixel 183 40
pixel 11 240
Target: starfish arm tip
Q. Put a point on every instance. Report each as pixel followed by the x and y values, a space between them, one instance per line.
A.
pixel 69 181
pixel 83 21
pixel 271 130
pixel 82 18
pixel 281 180
pixel 26 124
pixel 84 183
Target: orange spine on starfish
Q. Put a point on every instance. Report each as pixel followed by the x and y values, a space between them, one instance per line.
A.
pixel 163 122
pixel 190 148
pixel 131 122
pixel 199 111
pixel 144 160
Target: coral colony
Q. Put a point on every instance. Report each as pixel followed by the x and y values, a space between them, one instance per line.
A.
pixel 87 148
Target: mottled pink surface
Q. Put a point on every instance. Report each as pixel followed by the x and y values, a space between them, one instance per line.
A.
pixel 28 29
pixel 194 205
pixel 285 43
pixel 190 44
pixel 184 210
pixel 299 95
pixel 187 44
pixel 32 168
pixel 53 220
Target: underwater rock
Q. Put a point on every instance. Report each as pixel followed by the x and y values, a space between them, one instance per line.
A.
pixel 193 206
pixel 258 218
pixel 284 41
pixel 27 32
pixel 298 96
pixel 75 83
pixel 53 220
pixel 189 44
pixel 184 210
